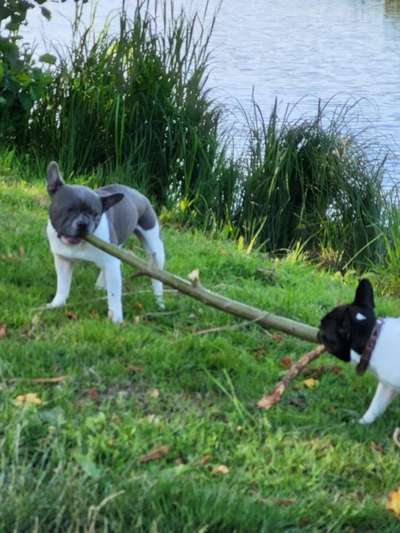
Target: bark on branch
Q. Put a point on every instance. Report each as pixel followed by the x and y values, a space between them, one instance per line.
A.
pixel 196 290
pixel 268 400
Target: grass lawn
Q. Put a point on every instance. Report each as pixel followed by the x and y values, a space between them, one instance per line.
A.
pixel 78 461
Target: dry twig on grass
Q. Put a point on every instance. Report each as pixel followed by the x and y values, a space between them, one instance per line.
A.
pixel 40 381
pixel 268 400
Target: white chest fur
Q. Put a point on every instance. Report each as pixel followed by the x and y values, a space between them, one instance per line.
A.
pixel 82 251
pixel 385 359
pixel 385 364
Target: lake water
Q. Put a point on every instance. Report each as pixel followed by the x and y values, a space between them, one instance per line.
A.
pixel 292 50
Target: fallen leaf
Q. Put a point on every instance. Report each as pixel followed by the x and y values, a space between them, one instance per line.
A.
pixel 71 315
pixel 393 502
pixel 276 337
pixel 135 369
pixel 205 459
pixel 375 446
pixel 154 393
pixel 3 331
pixel 286 362
pixel 221 469
pixel 154 454
pixel 310 383
pixel 93 393
pixel 31 398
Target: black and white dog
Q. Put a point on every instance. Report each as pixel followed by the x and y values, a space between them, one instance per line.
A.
pixel 112 213
pixel 353 333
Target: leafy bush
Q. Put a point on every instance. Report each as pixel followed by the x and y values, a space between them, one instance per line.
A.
pixel 22 83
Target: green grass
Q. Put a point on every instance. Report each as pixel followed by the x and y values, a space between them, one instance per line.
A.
pixel 73 464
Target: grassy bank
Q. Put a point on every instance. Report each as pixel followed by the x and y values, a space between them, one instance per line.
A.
pixel 76 461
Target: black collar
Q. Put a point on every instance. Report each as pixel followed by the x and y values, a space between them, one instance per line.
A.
pixel 369 348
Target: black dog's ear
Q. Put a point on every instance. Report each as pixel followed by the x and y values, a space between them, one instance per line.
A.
pixel 110 200
pixel 54 179
pixel 364 294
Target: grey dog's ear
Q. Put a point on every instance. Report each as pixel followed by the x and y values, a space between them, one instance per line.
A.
pixel 54 179
pixel 110 200
pixel 364 294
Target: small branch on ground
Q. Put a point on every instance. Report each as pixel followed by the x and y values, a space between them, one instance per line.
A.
pixel 45 381
pixel 268 400
pixel 226 328
pixel 396 437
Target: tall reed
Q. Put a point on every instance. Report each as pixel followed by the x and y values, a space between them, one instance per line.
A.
pixel 311 181
pixel 136 104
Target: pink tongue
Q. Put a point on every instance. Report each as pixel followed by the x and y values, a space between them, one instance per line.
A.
pixel 71 240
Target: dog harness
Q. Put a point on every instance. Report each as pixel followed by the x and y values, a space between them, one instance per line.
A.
pixel 369 348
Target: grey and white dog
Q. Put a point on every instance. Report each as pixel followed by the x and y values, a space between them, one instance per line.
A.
pixel 112 213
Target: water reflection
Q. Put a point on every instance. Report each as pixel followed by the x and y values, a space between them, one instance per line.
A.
pixel 295 51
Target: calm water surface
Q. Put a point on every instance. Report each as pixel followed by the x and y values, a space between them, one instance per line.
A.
pixel 292 50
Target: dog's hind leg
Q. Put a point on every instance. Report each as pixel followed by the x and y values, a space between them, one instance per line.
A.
pixel 154 248
pixel 383 396
pixel 64 277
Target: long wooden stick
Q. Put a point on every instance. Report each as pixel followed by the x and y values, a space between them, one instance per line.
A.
pixel 268 400
pixel 196 290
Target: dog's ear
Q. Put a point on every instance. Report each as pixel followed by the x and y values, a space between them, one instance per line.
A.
pixel 364 294
pixel 110 200
pixel 54 179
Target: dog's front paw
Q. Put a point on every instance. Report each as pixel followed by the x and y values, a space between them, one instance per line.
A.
pixel 160 304
pixel 115 317
pixel 364 421
pixel 55 303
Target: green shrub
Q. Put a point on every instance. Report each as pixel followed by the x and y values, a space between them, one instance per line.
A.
pixel 22 83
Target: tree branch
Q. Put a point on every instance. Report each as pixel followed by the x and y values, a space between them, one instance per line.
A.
pixel 268 400
pixel 196 290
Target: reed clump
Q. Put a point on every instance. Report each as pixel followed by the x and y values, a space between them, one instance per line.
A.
pixel 312 181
